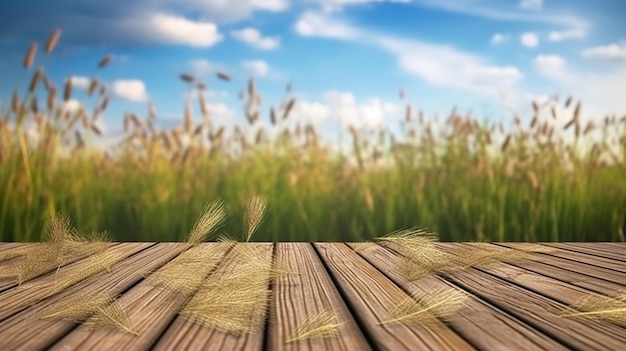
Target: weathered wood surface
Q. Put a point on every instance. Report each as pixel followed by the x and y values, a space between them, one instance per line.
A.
pixel 511 305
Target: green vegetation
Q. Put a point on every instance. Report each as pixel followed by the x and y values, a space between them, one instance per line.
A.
pixel 465 180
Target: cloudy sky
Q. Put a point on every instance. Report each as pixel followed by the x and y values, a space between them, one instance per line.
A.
pixel 347 59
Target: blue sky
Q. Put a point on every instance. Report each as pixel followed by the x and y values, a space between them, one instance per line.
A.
pixel 347 59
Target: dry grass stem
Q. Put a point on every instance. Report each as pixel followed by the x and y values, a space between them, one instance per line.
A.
pixel 186 272
pixel 53 40
pixel 91 266
pixel 212 216
pixel 95 309
pixel 318 326
pixel 29 58
pixel 364 247
pixel 255 213
pixel 611 308
pixel 105 61
pixel 223 76
pixel 429 308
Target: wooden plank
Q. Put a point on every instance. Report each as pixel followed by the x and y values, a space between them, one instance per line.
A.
pixel 150 308
pixel 184 334
pixel 485 327
pixel 27 331
pixel 17 298
pixel 11 245
pixel 11 282
pixel 576 278
pixel 309 292
pixel 589 250
pixel 618 251
pixel 584 258
pixel 9 251
pixel 539 311
pixel 371 296
pixel 574 266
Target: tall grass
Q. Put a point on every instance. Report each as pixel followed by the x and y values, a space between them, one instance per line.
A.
pixel 553 178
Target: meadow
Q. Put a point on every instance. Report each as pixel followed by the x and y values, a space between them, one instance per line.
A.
pixel 464 178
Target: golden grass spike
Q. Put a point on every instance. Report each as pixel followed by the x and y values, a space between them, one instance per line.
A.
pixel 51 99
pixel 188 118
pixel 92 265
pixel 212 216
pixel 425 311
pixel 79 307
pixel 112 315
pixel 611 308
pixel 59 228
pixel 29 58
pixel 34 82
pixel 363 247
pixel 288 108
pixel 53 40
pixel 67 90
pixel 34 107
pixel 235 297
pixel 568 101
pixel 251 91
pixel 223 76
pixel 273 116
pixel 105 61
pixel 187 271
pixel 506 142
pixel 255 212
pixel 318 326
pixel 15 103
pixel 187 78
pixel 95 309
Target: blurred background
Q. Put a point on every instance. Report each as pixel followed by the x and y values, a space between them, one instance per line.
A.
pixel 475 119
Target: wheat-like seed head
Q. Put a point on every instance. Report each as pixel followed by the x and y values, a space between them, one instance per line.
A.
pixel 95 309
pixel 611 308
pixel 92 265
pixel 105 61
pixel 212 216
pixel 318 326
pixel 426 311
pixel 53 40
pixel 29 58
pixel 255 213
pixel 186 272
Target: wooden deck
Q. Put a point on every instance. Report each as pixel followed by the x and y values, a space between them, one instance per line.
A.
pixel 511 306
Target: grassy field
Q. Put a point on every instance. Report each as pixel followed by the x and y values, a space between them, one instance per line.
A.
pixel 538 180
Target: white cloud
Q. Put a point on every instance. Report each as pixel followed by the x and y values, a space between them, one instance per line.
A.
pixel 550 65
pixel 222 11
pixel 529 39
pixel 201 68
pixel 172 29
pixel 531 4
pixel 338 5
pixel 574 33
pixel 589 87
pixel 447 67
pixel 436 64
pixel 312 24
pixel 256 67
pixel 343 107
pixel 132 90
pixel 220 111
pixel 80 81
pixel 573 26
pixel 71 106
pixel 607 52
pixel 253 37
pixel 499 38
